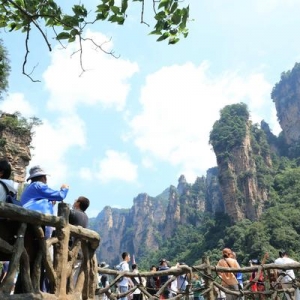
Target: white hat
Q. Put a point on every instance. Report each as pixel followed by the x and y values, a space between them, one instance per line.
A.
pixel 35 172
pixel 103 264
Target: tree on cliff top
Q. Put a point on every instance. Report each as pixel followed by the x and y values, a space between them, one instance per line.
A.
pixel 230 129
pixel 285 92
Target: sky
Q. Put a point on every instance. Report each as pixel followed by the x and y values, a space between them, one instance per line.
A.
pixel 135 123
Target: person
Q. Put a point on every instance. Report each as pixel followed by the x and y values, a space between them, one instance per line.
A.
pixel 285 277
pixel 220 295
pixel 228 278
pixel 238 275
pixel 151 282
pixel 126 282
pixel 77 215
pixel 103 281
pixel 163 265
pixel 5 173
pixel 197 285
pixel 39 196
pixel 5 266
pixel 257 285
pixel 182 281
pixel 174 284
pixel 137 294
pixel 4 270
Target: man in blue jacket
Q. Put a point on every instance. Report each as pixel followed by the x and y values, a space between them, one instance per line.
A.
pixel 39 196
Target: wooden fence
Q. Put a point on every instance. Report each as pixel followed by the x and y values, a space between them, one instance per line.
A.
pixel 67 259
pixel 209 273
pixel 69 263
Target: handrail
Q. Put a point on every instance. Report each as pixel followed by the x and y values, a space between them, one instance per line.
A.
pixel 209 274
pixel 22 230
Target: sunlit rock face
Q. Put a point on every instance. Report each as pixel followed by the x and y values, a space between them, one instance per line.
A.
pixel 242 195
pixel 286 96
pixel 15 146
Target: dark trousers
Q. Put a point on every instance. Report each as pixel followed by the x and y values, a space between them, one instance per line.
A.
pixel 138 296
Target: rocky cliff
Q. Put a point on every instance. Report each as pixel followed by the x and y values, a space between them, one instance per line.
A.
pixel 242 194
pixel 15 139
pixel 242 158
pixel 239 185
pixel 152 220
pixel 286 96
pixel 132 229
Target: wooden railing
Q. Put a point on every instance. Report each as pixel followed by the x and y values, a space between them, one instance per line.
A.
pixel 69 263
pixel 33 257
pixel 212 281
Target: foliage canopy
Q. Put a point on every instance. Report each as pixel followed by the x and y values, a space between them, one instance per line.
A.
pixel 229 131
pixel 4 69
pixel 170 19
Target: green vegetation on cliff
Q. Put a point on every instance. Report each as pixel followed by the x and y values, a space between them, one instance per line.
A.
pixel 285 92
pixel 277 227
pixel 4 69
pixel 230 130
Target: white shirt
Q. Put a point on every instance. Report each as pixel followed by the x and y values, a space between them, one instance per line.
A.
pixel 125 268
pixel 137 291
pixel 174 286
pixel 290 273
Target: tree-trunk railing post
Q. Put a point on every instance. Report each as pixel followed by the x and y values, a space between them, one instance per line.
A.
pixel 208 278
pixel 61 252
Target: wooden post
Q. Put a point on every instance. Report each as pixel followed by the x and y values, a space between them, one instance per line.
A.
pixel 208 279
pixel 61 252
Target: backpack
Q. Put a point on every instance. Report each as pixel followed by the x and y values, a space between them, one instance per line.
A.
pixel 11 197
pixel 103 280
pixel 150 283
pixel 119 268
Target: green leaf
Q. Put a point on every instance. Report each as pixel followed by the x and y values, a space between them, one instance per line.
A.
pixel 174 7
pixel 79 10
pixel 70 21
pixel 63 36
pixel 157 32
pixel 173 41
pixel 124 6
pixel 102 16
pixel 72 39
pixel 115 10
pixel 176 18
pixel 12 26
pixel 163 3
pixel 163 37
pixel 102 7
pixel 160 16
pixel 3 23
pixel 74 32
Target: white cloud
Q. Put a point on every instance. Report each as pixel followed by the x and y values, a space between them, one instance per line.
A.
pixel 51 143
pixel 105 81
pixel 117 166
pixel 147 163
pixel 179 107
pixel 51 140
pixel 268 6
pixel 86 174
pixel 15 102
